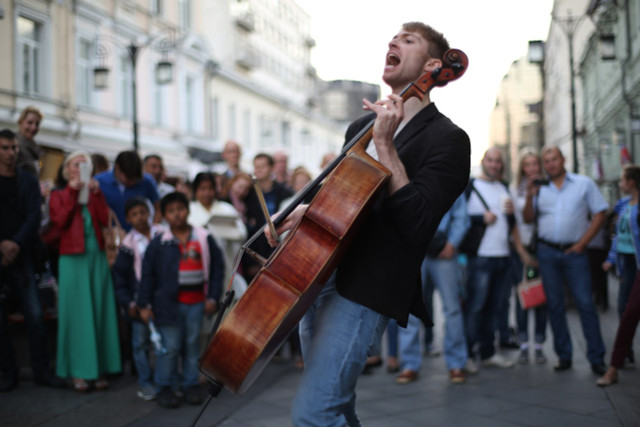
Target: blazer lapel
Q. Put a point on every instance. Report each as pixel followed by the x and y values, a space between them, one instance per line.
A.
pixel 416 124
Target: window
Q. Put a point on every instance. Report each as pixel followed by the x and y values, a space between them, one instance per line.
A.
pixel 156 7
pixel 190 99
pixel 214 123
pixel 125 84
pixel 184 10
pixel 158 104
pixel 286 133
pixel 246 127
pixel 29 53
pixel 232 121
pixel 84 71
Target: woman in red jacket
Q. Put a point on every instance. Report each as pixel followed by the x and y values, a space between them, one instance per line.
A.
pixel 88 346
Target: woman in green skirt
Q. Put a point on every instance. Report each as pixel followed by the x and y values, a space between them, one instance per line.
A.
pixel 88 345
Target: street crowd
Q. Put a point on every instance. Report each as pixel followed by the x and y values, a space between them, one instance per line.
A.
pixel 140 261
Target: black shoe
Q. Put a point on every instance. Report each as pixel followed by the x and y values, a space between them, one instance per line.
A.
pixel 8 383
pixel 563 365
pixel 598 368
pixel 510 345
pixel 193 396
pixel 49 380
pixel 167 399
pixel 631 358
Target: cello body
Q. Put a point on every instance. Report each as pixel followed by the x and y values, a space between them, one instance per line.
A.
pixel 287 285
pixel 293 276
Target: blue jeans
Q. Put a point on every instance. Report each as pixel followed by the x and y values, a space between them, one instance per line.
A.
pixel 336 336
pixel 140 350
pixel 409 345
pixel 446 276
pixel 628 269
pixel 556 267
pixel 487 283
pixel 392 338
pixel 522 316
pixel 21 281
pixel 180 339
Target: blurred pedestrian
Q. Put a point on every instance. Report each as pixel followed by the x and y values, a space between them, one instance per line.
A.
pixel 623 254
pixel 28 127
pixel 182 274
pixel 88 344
pixel 562 211
pixel 529 167
pixel 19 224
pixel 127 272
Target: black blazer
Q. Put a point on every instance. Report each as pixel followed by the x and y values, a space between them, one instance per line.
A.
pixel 381 268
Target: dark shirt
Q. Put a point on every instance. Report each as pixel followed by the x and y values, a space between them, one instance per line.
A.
pixel 9 212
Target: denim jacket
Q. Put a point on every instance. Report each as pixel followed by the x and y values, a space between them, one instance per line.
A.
pixel 618 210
pixel 456 221
pixel 159 283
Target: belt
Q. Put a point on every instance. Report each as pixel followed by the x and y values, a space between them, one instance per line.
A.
pixel 559 246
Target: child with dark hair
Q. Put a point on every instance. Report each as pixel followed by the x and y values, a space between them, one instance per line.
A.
pixel 182 275
pixel 127 272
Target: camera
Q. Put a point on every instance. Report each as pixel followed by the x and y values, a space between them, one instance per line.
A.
pixel 541 182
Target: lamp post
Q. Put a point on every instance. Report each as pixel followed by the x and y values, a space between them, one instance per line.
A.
pixel 536 56
pixel 569 25
pixel 163 74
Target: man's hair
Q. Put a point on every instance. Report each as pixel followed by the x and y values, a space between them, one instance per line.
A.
pixel 437 43
pixel 632 172
pixel 133 202
pixel 548 148
pixel 264 156
pixel 129 163
pixel 151 156
pixel 100 162
pixel 175 197
pixel 29 110
pixel 7 134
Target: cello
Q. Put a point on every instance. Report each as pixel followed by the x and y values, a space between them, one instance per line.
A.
pixel 291 278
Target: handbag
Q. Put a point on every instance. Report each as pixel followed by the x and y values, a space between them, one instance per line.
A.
pixel 113 235
pixel 471 241
pixel 531 291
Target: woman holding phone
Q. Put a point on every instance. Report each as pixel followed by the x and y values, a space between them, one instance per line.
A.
pixel 88 346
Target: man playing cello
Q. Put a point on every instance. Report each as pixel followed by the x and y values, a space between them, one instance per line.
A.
pixel 378 278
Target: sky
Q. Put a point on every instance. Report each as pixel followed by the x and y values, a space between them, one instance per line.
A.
pixel 352 36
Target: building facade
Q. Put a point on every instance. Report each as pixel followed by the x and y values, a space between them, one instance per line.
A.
pixel 239 70
pixel 515 118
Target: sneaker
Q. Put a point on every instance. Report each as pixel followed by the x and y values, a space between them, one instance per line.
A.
pixel 523 356
pixel 498 361
pixel 147 392
pixel 167 399
pixel 540 357
pixel 471 367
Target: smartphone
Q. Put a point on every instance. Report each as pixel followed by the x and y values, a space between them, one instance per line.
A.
pixel 85 177
pixel 531 272
pixel 541 182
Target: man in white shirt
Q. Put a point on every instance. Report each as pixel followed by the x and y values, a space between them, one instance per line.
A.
pixel 488 279
pixel 569 211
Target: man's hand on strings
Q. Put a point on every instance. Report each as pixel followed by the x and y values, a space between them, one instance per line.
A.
pixel 288 223
pixel 390 113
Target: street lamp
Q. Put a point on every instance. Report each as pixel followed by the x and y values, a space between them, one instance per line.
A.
pixel 163 73
pixel 536 56
pixel 569 25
